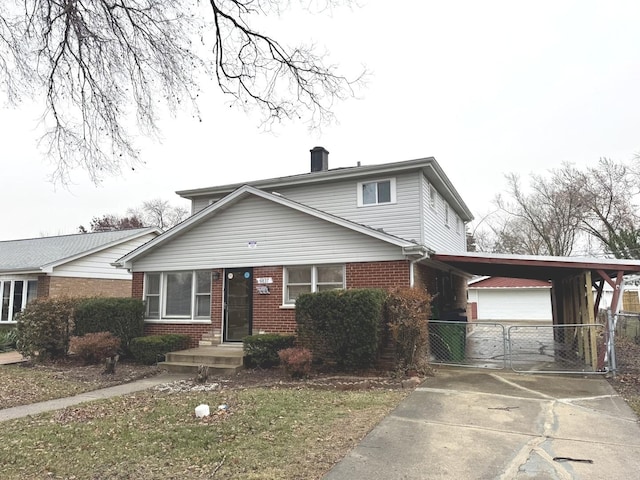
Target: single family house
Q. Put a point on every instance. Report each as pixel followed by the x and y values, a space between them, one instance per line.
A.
pixel 67 265
pixel 237 265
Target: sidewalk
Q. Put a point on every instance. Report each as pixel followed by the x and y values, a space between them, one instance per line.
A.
pixel 8 358
pixel 117 390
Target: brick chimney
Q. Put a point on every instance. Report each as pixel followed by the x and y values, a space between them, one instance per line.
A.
pixel 319 159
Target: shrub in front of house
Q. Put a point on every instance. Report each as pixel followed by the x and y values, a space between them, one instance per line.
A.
pixel 93 348
pixel 342 326
pixel 44 328
pixel 123 317
pixel 151 349
pixel 408 311
pixel 262 350
pixel 296 361
pixel 8 338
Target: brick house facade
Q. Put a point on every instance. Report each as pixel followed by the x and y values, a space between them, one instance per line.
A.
pixel 268 313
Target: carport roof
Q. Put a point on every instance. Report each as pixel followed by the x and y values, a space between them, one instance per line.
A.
pixel 535 266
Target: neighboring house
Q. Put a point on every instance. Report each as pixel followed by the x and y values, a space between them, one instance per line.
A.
pixel 237 265
pixel 509 299
pixel 67 265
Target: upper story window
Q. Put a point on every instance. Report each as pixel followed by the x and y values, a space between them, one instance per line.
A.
pixel 378 192
pixel 309 279
pixel 446 214
pixel 433 196
pixel 458 224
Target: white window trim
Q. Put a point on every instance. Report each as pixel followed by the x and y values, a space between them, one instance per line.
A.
pixel 314 280
pixel 392 188
pixel 446 215
pixel 25 290
pixel 162 315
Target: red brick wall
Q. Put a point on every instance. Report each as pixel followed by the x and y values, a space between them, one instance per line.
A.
pixel 216 301
pixel 137 285
pixel 425 277
pixel 378 274
pixel 267 314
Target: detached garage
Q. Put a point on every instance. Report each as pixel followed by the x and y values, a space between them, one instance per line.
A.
pixel 517 299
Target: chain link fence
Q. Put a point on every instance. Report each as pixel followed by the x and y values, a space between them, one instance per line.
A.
pixel 524 348
pixel 467 344
pixel 628 326
pixel 574 348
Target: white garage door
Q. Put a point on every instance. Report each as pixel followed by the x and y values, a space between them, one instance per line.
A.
pixel 532 304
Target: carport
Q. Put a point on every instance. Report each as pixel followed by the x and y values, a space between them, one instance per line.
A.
pixel 574 309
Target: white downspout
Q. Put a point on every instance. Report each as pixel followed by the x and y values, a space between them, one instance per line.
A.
pixel 412 275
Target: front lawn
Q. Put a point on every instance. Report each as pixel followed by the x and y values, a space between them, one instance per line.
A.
pixel 265 433
pixel 22 385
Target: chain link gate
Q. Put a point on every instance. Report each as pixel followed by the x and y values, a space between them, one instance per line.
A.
pixel 575 348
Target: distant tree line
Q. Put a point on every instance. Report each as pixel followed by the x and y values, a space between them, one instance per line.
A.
pixel 153 213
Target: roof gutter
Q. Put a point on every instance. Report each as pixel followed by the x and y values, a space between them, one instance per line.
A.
pixel 415 254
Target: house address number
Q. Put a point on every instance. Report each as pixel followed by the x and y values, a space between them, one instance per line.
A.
pixel 264 280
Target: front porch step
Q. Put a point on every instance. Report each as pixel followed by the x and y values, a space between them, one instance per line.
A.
pixel 219 359
pixel 183 367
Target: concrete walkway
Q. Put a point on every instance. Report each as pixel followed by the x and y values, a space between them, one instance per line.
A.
pixel 472 424
pixel 117 390
pixel 8 358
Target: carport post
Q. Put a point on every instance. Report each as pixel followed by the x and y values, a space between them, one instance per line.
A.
pixel 611 347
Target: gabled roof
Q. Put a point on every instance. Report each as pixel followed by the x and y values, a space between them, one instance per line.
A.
pixel 428 165
pixel 505 282
pixel 243 192
pixel 35 255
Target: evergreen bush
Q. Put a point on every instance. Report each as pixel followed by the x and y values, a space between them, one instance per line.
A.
pixel 151 349
pixel 342 326
pixel 123 317
pixel 44 328
pixel 262 350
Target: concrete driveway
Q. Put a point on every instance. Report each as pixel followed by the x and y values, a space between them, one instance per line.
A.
pixel 471 424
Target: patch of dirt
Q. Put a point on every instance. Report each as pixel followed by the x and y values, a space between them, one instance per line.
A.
pixel 627 380
pixel 72 369
pixel 277 377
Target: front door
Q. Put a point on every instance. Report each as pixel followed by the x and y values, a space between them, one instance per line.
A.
pixel 237 303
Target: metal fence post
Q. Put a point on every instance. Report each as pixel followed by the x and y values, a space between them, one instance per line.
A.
pixel 611 344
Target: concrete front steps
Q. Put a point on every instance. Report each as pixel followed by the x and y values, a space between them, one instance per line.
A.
pixel 219 359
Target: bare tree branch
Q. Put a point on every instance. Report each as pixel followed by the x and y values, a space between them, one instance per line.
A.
pixel 108 68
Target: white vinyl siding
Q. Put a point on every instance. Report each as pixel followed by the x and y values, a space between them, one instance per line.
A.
pixel 257 232
pixel 98 264
pixel 340 198
pixel 436 234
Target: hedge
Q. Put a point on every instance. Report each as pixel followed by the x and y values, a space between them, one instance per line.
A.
pixel 262 350
pixel 44 328
pixel 123 317
pixel 342 326
pixel 153 348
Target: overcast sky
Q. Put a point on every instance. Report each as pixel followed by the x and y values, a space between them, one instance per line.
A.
pixel 485 87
